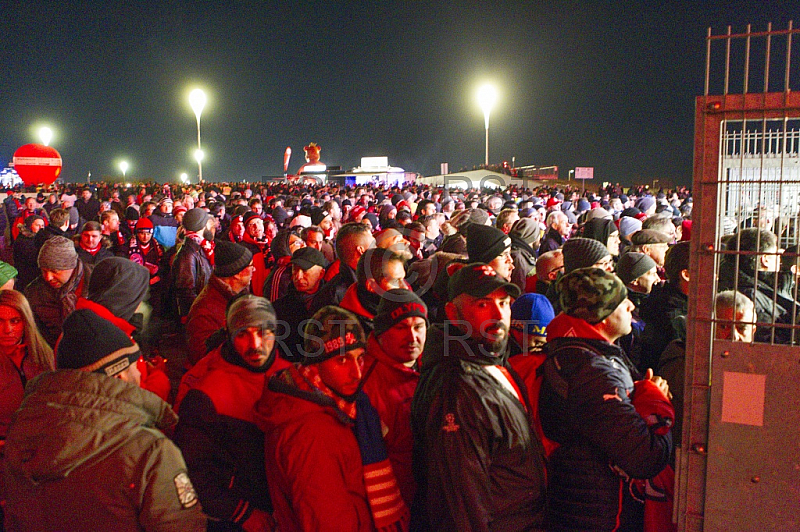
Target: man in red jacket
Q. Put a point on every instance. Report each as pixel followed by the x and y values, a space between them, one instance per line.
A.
pixel 325 457
pixel 223 447
pixel 391 375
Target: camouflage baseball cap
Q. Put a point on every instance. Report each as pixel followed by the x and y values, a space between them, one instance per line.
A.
pixel 590 294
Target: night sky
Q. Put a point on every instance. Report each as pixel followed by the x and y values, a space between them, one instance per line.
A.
pixel 603 84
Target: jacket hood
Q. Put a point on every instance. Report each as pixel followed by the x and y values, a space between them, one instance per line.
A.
pixel 564 326
pixel 119 285
pixel 70 418
pixel 526 230
pixel 280 405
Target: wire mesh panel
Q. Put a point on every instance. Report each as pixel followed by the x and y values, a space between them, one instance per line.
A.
pixel 738 467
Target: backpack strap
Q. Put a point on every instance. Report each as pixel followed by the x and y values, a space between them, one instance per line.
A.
pixel 551 368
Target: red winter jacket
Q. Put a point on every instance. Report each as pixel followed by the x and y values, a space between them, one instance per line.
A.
pixel 313 462
pixel 390 387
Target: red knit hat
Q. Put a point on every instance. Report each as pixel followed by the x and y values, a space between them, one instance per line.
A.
pixel 144 223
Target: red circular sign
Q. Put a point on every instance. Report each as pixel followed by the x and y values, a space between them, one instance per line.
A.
pixel 37 164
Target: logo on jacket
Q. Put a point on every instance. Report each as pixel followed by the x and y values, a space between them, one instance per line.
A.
pixel 449 423
pixel 186 493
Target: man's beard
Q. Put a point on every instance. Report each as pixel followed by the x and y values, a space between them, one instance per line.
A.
pixel 498 345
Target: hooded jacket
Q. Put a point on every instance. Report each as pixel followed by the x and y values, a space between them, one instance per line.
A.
pixel 207 316
pixel 585 406
pixel 665 303
pixel 523 238
pixel 87 452
pixel 313 461
pixel 477 462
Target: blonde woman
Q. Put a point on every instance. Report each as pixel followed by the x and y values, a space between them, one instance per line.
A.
pixel 24 354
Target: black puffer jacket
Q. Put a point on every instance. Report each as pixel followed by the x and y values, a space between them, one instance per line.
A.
pixel 478 464
pixel 659 310
pixel 190 273
pixel 585 406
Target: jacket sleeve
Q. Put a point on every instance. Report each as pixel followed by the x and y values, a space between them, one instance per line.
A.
pixel 608 419
pixel 168 501
pixel 459 439
pixel 200 325
pixel 185 275
pixel 198 434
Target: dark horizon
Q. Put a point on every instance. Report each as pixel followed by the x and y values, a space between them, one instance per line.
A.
pixel 607 86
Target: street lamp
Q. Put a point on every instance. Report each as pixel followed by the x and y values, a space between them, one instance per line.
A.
pixel 569 175
pixel 46 134
pixel 124 167
pixel 197 99
pixel 198 156
pixel 487 97
pixel 184 178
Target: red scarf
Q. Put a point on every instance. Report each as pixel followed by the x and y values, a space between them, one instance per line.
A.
pixel 206 245
pixel 91 251
pixel 262 244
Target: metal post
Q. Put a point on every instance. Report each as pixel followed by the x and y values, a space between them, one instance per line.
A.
pixel 199 163
pixel 486 161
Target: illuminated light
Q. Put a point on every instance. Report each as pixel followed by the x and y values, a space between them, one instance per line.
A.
pixel 197 99
pixel 487 97
pixel 198 156
pixel 309 168
pixel 46 134
pixel 124 167
pixel 184 178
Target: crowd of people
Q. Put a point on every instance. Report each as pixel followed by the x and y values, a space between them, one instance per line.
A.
pixel 353 358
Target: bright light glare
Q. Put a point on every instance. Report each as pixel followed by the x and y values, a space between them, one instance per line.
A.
pixel 197 99
pixel 487 97
pixel 198 155
pixel 124 167
pixel 46 134
pixel 184 177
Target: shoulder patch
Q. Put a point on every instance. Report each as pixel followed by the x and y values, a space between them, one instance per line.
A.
pixel 449 423
pixel 186 494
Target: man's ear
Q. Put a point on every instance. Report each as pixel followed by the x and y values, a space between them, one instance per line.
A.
pixel 372 286
pixel 685 275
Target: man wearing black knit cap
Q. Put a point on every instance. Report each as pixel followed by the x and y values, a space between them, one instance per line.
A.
pixel 477 462
pixel 233 270
pixel 106 468
pixel 223 447
pixel 490 245
pixel 391 375
pixel 326 461
pixel 308 269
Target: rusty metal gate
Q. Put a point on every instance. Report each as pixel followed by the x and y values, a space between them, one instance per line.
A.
pixel 738 467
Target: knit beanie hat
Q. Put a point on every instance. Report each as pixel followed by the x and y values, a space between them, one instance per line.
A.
pixel 250 311
pixel 531 313
pixel 485 243
pixel 92 343
pixel 74 216
pixel 395 306
pixel 230 258
pixel 131 213
pixel 332 331
pixel 583 205
pixel 195 220
pixel 582 253
pixel 590 294
pixel 58 253
pixel 478 216
pixel 628 226
pixel 144 223
pixel 7 272
pixel 645 202
pixel 633 265
pixel 318 215
pixel 526 230
pixel 179 209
